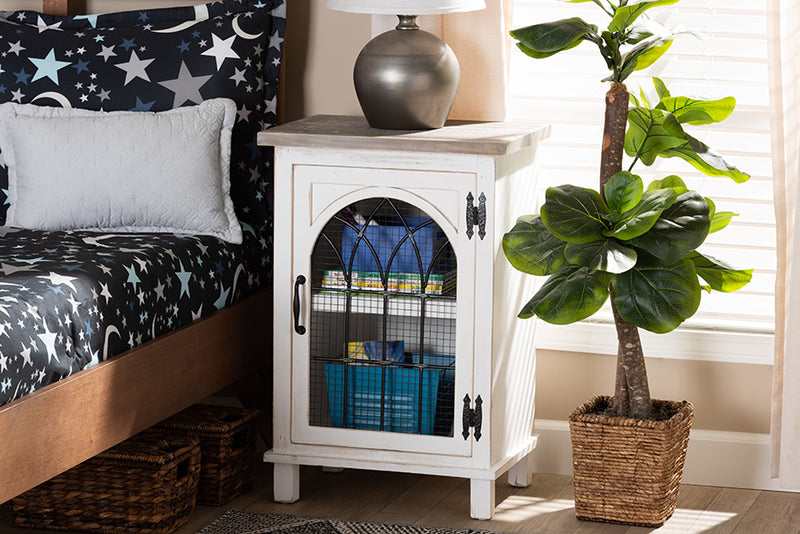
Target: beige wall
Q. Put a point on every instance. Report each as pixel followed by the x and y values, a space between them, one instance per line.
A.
pixel 321 49
pixel 726 396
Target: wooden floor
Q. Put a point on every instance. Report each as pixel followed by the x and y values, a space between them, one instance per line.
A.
pixel 543 507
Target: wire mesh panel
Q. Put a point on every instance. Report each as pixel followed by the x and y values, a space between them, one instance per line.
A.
pixel 383 328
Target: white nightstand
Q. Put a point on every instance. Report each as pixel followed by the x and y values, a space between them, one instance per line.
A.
pixel 458 399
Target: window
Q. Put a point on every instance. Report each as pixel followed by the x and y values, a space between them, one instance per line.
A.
pixel 729 59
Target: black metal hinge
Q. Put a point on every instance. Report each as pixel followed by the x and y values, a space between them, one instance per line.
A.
pixel 476 215
pixel 472 417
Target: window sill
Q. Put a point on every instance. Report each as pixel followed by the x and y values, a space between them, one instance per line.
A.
pixel 681 344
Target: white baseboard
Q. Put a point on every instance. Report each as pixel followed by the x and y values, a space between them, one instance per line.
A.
pixel 714 458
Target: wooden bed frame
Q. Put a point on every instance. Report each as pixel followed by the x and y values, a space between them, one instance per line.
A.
pixel 55 428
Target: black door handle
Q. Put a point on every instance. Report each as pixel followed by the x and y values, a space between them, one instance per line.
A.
pixel 300 329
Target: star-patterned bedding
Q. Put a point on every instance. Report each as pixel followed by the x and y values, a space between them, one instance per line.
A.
pixel 69 300
pixel 155 60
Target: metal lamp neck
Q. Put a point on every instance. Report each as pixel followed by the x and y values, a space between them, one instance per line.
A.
pixel 407 22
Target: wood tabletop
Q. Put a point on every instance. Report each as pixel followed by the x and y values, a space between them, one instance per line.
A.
pixel 458 137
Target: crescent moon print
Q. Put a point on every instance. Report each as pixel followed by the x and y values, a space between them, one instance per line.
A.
pixel 58 97
pixel 239 270
pixel 240 32
pixel 200 14
pixel 110 330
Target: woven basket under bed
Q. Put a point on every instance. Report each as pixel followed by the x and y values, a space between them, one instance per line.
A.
pixel 227 438
pixel 628 470
pixel 145 485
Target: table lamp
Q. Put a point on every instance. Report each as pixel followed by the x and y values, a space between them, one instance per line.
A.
pixel 406 78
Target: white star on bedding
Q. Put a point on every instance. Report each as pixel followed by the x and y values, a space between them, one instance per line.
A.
pixel 43 27
pixel 221 49
pixel 49 341
pixel 59 279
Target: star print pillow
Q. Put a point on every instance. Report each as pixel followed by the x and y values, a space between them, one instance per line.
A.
pixel 156 60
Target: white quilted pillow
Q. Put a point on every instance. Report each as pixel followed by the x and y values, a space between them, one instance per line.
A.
pixel 120 171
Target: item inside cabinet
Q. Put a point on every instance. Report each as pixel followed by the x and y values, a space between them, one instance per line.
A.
pixel 384 285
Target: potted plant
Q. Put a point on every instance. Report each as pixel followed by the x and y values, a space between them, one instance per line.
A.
pixel 634 245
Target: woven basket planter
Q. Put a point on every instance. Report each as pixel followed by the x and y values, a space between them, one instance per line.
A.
pixel 628 470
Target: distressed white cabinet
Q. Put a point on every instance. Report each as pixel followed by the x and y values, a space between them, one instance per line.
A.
pixel 396 342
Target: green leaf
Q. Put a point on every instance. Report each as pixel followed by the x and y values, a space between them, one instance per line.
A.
pixel 574 214
pixel 628 66
pixel 646 136
pixel 644 44
pixel 544 40
pixel 531 248
pixel 607 255
pixel 609 49
pixel 673 127
pixel 644 215
pixel 626 15
pixel 697 112
pixel 712 209
pixel 644 98
pixel 661 88
pixel 720 220
pixel 651 54
pixel 719 275
pixel 681 228
pixel 571 295
pixel 657 296
pixel 701 157
pixel 541 55
pixel 670 182
pixel 623 191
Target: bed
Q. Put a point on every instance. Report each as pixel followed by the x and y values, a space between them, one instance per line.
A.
pixel 96 400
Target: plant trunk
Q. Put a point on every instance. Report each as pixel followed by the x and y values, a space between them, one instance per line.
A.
pixel 613 133
pixel 632 393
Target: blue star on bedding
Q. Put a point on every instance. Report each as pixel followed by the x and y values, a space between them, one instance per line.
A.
pixel 72 298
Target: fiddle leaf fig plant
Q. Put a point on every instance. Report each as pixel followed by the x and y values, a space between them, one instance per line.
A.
pixel 633 244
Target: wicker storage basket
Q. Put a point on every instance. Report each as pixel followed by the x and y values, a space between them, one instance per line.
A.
pixel 146 484
pixel 228 448
pixel 628 470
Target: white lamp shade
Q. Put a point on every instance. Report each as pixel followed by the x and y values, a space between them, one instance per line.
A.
pixel 406 7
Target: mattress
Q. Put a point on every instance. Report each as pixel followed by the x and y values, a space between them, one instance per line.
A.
pixel 69 300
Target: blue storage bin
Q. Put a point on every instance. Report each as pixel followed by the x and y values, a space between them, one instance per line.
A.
pixel 363 394
pixel 384 238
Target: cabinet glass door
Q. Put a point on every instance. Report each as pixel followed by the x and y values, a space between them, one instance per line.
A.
pixel 382 330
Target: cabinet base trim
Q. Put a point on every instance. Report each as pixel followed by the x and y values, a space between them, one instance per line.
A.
pixel 387 464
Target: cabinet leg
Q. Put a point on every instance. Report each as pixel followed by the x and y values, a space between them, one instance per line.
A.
pixel 481 498
pixel 521 472
pixel 286 482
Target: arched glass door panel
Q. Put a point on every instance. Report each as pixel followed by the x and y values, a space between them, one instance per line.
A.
pixel 383 321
